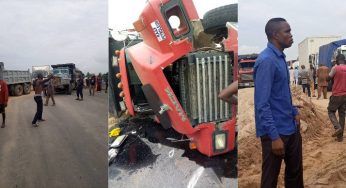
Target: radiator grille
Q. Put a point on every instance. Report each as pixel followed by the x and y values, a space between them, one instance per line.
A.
pixel 202 78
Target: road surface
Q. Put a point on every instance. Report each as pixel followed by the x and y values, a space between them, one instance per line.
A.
pixel 69 149
pixel 148 159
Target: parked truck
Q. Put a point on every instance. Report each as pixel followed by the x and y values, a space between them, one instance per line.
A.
pixel 177 71
pixel 18 81
pixel 65 77
pixel 328 52
pixel 43 69
pixel 246 68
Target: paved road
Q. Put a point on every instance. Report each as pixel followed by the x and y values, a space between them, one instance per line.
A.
pixel 67 150
pixel 147 159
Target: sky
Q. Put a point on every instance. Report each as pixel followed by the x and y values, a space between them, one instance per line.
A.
pixel 306 18
pixel 121 16
pixel 34 32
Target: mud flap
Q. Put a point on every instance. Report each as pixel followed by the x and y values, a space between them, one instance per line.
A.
pixel 155 104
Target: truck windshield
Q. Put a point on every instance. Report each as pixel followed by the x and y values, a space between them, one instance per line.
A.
pixel 60 71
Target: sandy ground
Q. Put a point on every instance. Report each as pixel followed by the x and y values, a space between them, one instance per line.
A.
pixel 324 159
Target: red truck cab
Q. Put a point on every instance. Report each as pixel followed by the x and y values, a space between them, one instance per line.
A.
pixel 246 68
pixel 180 82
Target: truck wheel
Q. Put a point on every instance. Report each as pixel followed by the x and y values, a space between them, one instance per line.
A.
pixel 214 21
pixel 27 88
pixel 18 90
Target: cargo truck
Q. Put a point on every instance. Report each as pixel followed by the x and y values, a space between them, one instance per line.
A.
pixel 18 81
pixel 65 76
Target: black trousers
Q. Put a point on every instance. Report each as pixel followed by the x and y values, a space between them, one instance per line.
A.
pixel 39 109
pixel 293 159
pixel 80 93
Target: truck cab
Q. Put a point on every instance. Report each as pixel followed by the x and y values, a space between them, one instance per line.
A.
pixel 178 81
pixel 64 80
pixel 246 69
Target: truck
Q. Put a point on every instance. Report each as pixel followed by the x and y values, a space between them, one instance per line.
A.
pixel 43 69
pixel 328 52
pixel 246 68
pixel 18 81
pixel 65 76
pixel 177 71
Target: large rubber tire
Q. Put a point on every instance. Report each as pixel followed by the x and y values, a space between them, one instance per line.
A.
pixel 27 88
pixel 216 19
pixel 18 90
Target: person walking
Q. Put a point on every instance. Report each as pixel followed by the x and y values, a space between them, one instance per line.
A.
pixel 277 120
pixel 304 75
pixel 337 101
pixel 292 80
pixel 322 75
pixel 80 85
pixel 3 100
pixel 99 83
pixel 38 87
pixel 92 83
pixel 312 73
pixel 296 75
pixel 50 93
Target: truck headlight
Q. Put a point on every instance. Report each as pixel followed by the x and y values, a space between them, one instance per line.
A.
pixel 220 140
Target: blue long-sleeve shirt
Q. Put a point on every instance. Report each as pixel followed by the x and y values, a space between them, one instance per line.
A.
pixel 274 112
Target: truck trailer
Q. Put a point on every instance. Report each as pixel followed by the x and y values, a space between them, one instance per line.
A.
pixel 18 81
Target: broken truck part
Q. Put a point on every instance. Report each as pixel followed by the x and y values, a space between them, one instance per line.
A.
pixel 177 81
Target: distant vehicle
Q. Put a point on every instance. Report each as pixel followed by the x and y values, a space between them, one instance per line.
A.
pixel 246 68
pixel 65 77
pixel 328 52
pixel 19 82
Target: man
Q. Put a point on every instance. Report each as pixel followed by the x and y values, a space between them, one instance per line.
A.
pixel 296 73
pixel 322 75
pixel 292 80
pixel 277 120
pixel 227 94
pixel 80 84
pixel 304 75
pixel 50 93
pixel 312 80
pixel 38 87
pixel 92 83
pixel 3 100
pixel 338 99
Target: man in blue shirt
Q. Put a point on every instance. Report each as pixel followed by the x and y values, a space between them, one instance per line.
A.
pixel 277 120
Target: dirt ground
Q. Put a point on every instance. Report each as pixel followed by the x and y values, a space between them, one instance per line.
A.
pixel 323 158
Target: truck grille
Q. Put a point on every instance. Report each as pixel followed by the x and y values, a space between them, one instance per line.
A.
pixel 202 76
pixel 246 77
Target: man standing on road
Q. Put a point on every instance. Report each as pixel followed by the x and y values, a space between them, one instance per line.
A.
pixel 277 120
pixel 322 75
pixel 296 72
pixel 3 100
pixel 338 99
pixel 305 78
pixel 50 93
pixel 38 87
pixel 80 85
pixel 92 83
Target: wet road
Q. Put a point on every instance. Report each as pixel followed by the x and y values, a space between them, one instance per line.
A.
pixel 67 150
pixel 148 159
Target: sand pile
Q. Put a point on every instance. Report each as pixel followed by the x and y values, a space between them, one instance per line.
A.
pixel 324 158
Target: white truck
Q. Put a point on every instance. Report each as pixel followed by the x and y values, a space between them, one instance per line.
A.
pixel 18 81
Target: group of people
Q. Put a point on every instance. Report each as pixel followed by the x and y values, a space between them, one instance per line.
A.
pixel 311 79
pixel 277 119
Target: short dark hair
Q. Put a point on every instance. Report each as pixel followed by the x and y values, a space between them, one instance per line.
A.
pixel 271 26
pixel 39 75
pixel 340 57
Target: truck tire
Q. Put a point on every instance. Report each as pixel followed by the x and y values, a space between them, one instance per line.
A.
pixel 27 88
pixel 18 90
pixel 215 20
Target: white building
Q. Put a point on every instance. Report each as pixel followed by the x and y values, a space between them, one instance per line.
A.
pixel 310 46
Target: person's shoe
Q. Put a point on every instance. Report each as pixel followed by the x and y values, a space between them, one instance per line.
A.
pixel 337 132
pixel 3 125
pixel 339 139
pixel 46 104
pixel 35 124
pixel 81 99
pixel 77 99
pixel 53 104
pixel 41 120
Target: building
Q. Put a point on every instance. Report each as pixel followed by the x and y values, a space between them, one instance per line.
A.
pixel 309 47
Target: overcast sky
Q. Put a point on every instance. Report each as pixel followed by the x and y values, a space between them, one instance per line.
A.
pixel 50 32
pixel 306 18
pixel 121 16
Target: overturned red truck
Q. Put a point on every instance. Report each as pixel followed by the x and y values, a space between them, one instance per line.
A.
pixel 177 71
